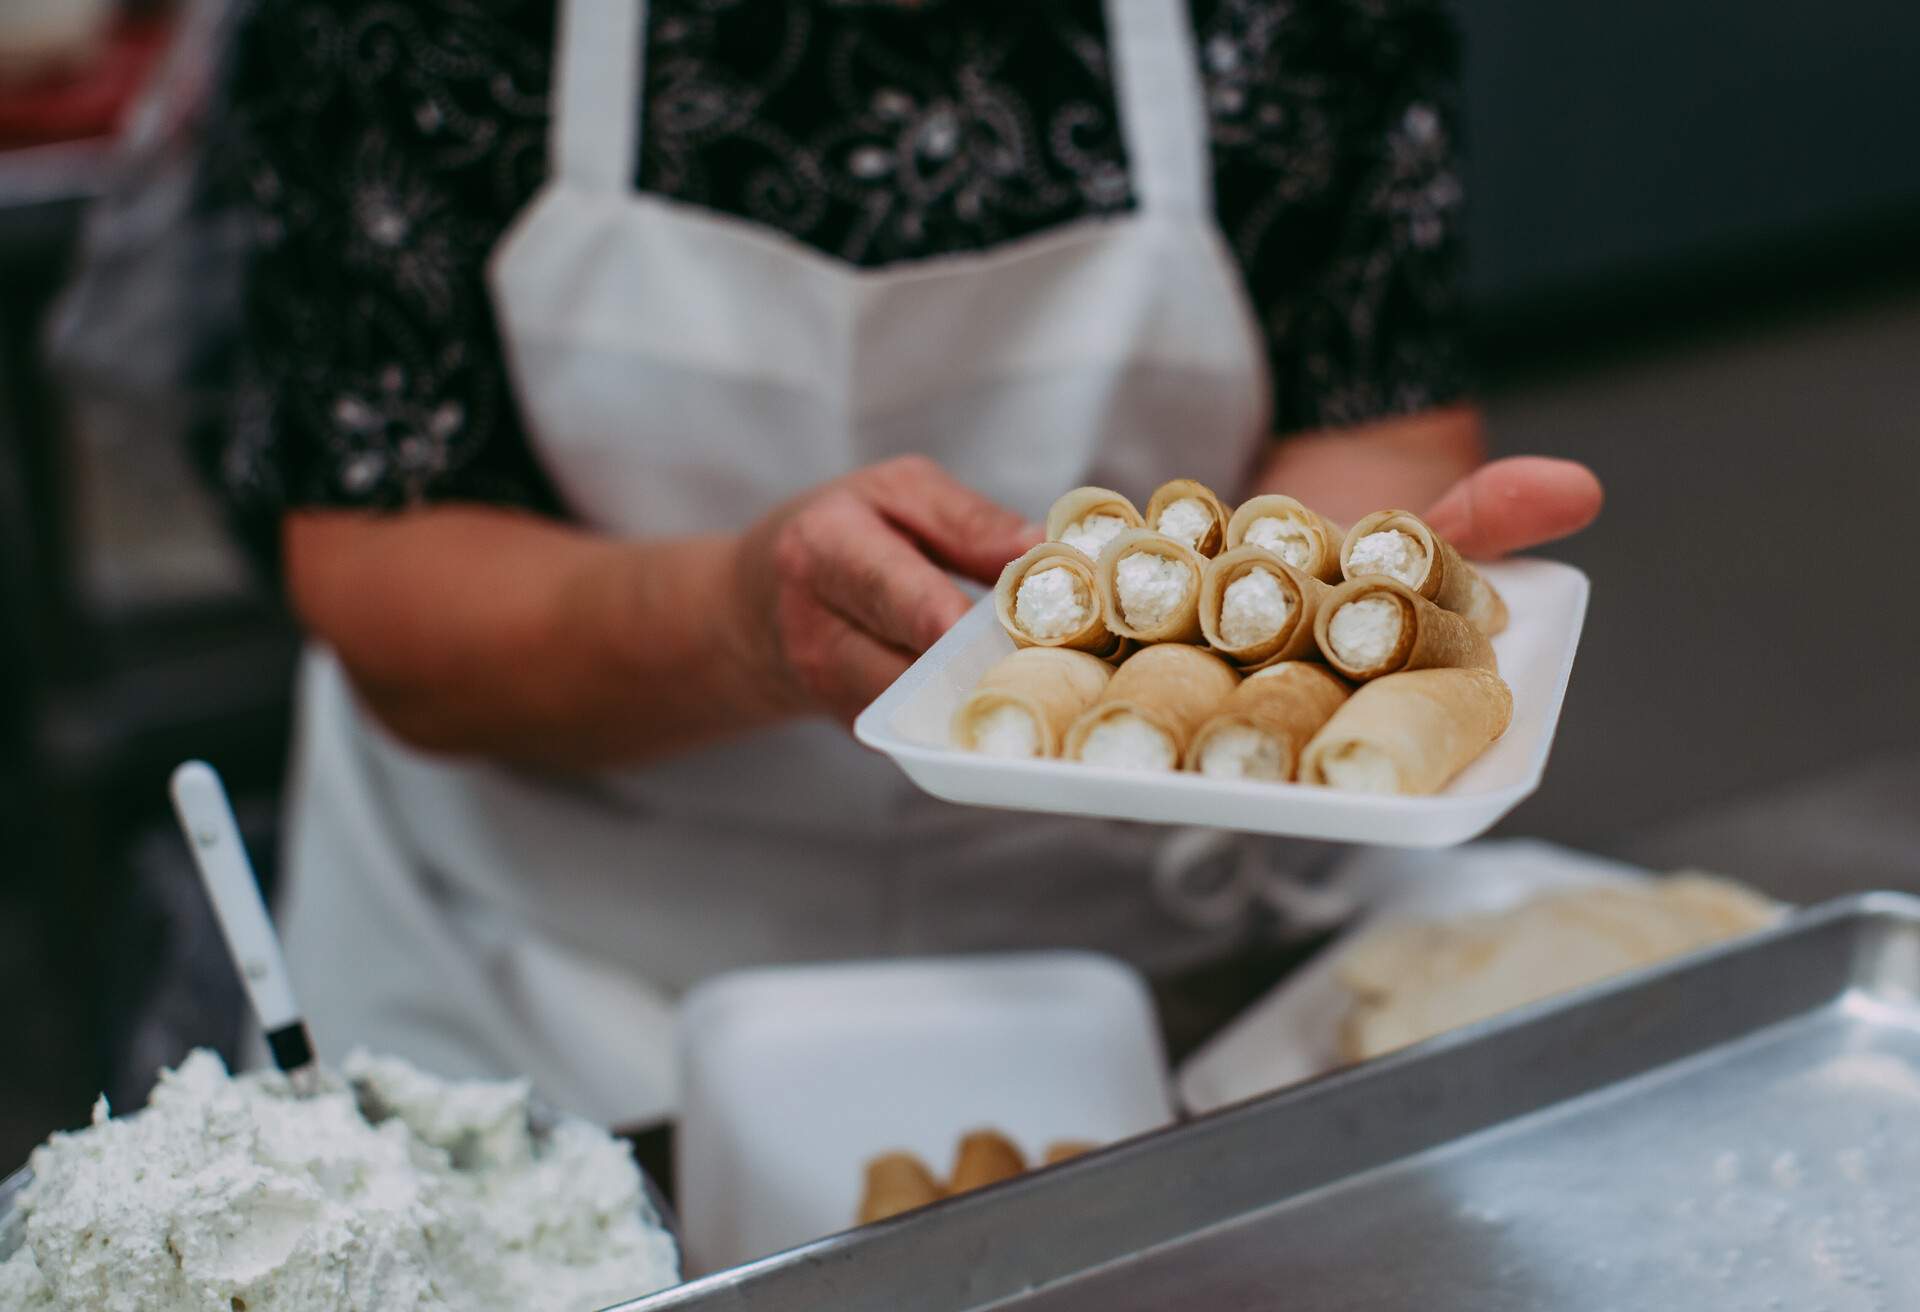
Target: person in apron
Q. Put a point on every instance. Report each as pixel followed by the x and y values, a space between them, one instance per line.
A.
pixel 798 449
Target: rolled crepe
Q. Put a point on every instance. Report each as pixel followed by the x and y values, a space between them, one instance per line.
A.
pixel 1262 726
pixel 1088 634
pixel 1164 606
pixel 1409 733
pixel 1154 701
pixel 1201 525
pixel 1314 549
pixel 1067 520
pixel 1442 577
pixel 985 1157
pixel 1291 639
pixel 1049 686
pixel 1065 1150
pixel 1392 628
pixel 896 1183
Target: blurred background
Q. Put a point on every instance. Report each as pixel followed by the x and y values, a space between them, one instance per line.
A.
pixel 1696 245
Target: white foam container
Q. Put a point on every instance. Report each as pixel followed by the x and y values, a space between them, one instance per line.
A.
pixel 1293 1033
pixel 793 1077
pixel 1548 600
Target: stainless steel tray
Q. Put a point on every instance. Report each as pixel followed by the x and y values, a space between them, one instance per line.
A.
pixel 1737 1130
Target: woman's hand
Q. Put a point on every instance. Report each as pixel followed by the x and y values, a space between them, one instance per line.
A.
pixel 838 590
pixel 479 632
pixel 471 631
pixel 1437 462
pixel 1516 503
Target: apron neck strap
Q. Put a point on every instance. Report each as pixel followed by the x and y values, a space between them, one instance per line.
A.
pixel 1156 83
pixel 597 88
pixel 1156 78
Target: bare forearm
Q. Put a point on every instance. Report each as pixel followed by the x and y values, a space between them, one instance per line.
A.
pixel 1406 462
pixel 473 631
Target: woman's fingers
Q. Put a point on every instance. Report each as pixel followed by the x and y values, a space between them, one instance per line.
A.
pixel 841 668
pixel 1515 503
pixel 839 549
pixel 966 532
pixel 855 575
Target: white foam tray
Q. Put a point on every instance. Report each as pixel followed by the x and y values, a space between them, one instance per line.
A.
pixel 1293 1032
pixel 793 1077
pixel 909 722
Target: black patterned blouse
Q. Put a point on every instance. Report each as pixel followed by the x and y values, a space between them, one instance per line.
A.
pixel 384 145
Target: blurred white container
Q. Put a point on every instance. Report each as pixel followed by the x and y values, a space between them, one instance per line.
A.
pixel 794 1077
pixel 909 722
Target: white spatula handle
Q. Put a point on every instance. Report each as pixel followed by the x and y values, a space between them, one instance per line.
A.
pixel 206 817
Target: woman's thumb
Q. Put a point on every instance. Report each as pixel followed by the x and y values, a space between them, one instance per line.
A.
pixel 1516 503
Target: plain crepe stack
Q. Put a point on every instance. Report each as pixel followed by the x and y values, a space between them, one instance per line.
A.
pixel 1261 643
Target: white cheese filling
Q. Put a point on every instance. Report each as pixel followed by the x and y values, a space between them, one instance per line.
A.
pixel 1363 633
pixel 1151 589
pixel 1186 521
pixel 1052 602
pixel 1358 768
pixel 1253 608
pixel 1285 538
pixel 1092 534
pixel 1125 740
pixel 1240 751
pixel 1006 730
pixel 1393 553
pixel 236 1194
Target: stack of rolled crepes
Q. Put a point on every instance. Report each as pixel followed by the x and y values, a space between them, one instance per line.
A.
pixel 1411 980
pixel 1261 643
pixel 900 1182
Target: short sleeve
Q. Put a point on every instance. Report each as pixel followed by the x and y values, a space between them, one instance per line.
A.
pixel 1337 173
pixel 381 150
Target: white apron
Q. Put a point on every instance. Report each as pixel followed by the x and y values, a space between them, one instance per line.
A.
pixel 682 371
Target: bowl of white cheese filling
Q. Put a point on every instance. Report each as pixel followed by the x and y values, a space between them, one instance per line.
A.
pixel 910 722
pixel 233 1191
pixel 13 1221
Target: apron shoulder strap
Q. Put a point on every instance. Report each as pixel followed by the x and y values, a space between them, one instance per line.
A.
pixel 1162 107
pixel 597 92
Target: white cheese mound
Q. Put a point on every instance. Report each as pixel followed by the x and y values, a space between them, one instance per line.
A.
pixel 1253 608
pixel 1092 534
pixel 1393 553
pixel 1129 742
pixel 1363 633
pixel 22 1289
pixel 1052 602
pixel 230 1194
pixel 1240 751
pixel 1359 768
pixel 1151 589
pixel 1285 538
pixel 1186 521
pixel 1006 730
